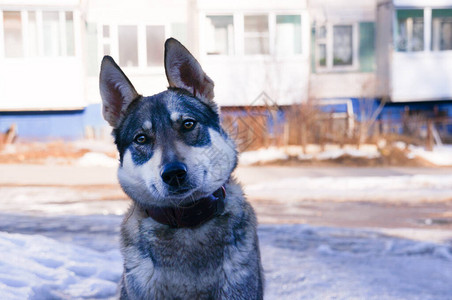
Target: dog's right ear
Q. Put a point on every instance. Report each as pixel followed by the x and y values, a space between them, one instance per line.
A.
pixel 116 91
pixel 184 71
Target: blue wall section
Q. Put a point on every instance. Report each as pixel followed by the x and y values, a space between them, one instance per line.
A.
pixel 70 125
pixel 47 125
pixel 394 112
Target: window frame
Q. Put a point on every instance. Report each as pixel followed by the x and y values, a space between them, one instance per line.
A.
pixel 302 49
pixel 428 30
pixel 431 31
pixel 62 42
pixel 426 15
pixel 113 42
pixel 234 33
pixel 328 41
pixel 271 33
pixel 239 32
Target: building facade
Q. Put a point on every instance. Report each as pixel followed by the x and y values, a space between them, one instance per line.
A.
pixel 291 51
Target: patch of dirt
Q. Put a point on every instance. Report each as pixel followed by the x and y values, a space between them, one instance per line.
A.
pixel 356 214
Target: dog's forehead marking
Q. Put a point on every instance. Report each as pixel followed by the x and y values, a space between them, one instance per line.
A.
pixel 147 125
pixel 175 116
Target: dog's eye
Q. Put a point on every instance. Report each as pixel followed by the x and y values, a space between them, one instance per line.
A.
pixel 140 139
pixel 188 124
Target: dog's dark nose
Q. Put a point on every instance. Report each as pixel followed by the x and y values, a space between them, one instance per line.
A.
pixel 174 174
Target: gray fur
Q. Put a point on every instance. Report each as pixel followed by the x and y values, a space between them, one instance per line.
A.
pixel 219 259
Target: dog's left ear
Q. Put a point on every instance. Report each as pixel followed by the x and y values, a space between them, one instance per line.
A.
pixel 184 71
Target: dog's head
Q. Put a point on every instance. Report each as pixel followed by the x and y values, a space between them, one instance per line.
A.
pixel 171 145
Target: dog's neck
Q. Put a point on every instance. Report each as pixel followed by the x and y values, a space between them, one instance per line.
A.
pixel 191 215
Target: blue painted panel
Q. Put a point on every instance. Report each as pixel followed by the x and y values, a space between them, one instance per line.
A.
pixel 47 125
pixel 37 125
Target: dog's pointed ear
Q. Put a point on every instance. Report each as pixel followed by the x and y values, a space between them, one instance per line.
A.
pixel 116 91
pixel 184 71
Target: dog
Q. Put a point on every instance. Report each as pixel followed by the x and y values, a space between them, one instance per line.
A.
pixel 189 233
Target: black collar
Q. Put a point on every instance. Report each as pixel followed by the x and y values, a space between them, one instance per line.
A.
pixel 193 215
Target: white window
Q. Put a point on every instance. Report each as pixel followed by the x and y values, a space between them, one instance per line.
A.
pixel 33 35
pixel 342 45
pixel 336 47
pixel 128 45
pixel 155 38
pixel 53 30
pixel 12 26
pixel 321 46
pixel 220 35
pixel 441 29
pixel 256 34
pixel 253 34
pixel 136 46
pixel 70 33
pixel 106 40
pixel 410 30
pixel 288 34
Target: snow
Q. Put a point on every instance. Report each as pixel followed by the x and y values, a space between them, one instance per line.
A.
pixel 270 154
pixel 408 188
pixel 53 247
pixel 77 257
pixel 262 156
pixel 440 155
pixel 34 266
pixel 334 154
pixel 97 159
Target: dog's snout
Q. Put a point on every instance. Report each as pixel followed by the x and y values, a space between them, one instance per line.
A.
pixel 174 174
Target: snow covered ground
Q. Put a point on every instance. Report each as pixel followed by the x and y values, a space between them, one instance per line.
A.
pixel 77 257
pixel 53 247
pixel 440 155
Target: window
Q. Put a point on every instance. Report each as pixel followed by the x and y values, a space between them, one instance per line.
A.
pixel 128 46
pixel 288 34
pixel 322 55
pixel 410 30
pixel 12 24
pixel 256 34
pixel 134 46
pixel 51 31
pixel 342 45
pixel 220 35
pixel 179 32
pixel 33 38
pixel 155 38
pixel 321 46
pixel 441 29
pixel 263 34
pixel 70 36
pixel 106 40
pixel 336 46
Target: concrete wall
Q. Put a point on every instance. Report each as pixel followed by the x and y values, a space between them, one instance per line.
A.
pixel 335 81
pixel 421 76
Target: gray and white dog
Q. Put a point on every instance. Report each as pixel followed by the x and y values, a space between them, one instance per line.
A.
pixel 190 233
